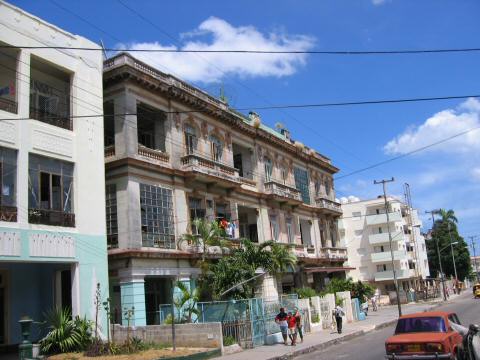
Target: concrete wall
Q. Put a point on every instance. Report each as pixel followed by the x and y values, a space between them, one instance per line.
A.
pixel 82 246
pixel 207 335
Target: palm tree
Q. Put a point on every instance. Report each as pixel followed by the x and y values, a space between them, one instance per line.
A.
pixel 187 303
pixel 448 216
pixel 208 233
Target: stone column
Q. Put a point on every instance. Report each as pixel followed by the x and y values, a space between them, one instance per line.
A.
pixel 129 214
pixel 132 292
pixel 328 234
pixel 126 134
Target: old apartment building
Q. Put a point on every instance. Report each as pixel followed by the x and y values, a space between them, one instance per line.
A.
pixel 366 231
pixel 174 153
pixel 53 249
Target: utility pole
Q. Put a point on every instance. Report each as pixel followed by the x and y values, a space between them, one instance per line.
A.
pixel 453 258
pixel 474 256
pixel 384 182
pixel 433 212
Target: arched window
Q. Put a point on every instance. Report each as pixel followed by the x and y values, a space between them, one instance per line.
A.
pixel 190 139
pixel 284 174
pixel 267 163
pixel 216 148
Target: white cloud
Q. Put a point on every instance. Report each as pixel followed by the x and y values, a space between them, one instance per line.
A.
pixel 476 173
pixel 441 126
pixel 218 34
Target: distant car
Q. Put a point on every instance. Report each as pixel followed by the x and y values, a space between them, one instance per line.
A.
pixel 426 335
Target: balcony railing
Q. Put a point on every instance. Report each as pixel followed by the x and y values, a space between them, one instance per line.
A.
pixel 334 253
pixel 376 219
pixel 210 167
pixel 51 217
pixel 8 213
pixel 388 275
pixel 62 121
pixel 153 154
pixel 109 151
pixel 8 105
pixel 386 256
pixel 273 187
pixel 328 204
pixel 384 238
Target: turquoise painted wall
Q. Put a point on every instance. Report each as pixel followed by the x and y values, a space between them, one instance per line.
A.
pixel 37 282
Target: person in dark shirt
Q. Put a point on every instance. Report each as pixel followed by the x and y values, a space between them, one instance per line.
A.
pixel 281 320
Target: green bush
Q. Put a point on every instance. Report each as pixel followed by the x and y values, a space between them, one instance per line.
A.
pixel 65 334
pixel 305 292
pixel 229 340
pixel 315 318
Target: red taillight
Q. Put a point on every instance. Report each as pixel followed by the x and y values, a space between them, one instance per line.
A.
pixel 394 348
pixel 433 347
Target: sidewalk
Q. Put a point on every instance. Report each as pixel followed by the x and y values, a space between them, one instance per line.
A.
pixel 385 316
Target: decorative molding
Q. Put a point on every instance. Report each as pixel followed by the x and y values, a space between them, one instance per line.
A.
pixel 52 245
pixel 10 244
pixel 52 143
pixel 8 132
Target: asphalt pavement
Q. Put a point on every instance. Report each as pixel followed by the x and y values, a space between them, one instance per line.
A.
pixel 372 345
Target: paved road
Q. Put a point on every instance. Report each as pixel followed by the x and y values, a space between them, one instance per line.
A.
pixel 372 345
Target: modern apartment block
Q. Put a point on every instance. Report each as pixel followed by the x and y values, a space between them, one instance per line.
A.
pixel 52 201
pixel 174 153
pixel 365 230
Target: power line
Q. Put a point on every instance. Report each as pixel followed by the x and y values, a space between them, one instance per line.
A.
pixel 247 51
pixel 291 106
pixel 408 153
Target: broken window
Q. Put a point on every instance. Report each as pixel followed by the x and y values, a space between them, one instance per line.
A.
pixel 191 140
pixel 217 148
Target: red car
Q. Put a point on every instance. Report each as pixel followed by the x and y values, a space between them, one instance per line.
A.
pixel 426 335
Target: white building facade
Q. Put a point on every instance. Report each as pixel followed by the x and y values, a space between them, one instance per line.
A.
pixel 52 202
pixel 365 232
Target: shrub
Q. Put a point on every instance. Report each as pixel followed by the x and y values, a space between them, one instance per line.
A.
pixel 65 334
pixel 315 318
pixel 305 293
pixel 97 348
pixel 229 340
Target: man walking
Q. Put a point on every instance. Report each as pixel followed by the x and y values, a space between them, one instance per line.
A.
pixel 298 318
pixel 339 312
pixel 281 320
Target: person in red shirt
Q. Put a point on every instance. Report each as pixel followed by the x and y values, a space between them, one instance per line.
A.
pixel 292 328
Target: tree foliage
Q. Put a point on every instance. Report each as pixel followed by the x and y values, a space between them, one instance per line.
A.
pixel 444 232
pixel 187 301
pixel 360 290
pixel 243 264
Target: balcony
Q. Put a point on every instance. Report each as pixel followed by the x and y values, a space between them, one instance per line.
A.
pixel 282 193
pixel 388 275
pixel 8 105
pixel 51 217
pixel 328 205
pixel 8 213
pixel 109 151
pixel 377 219
pixel 334 254
pixel 152 154
pixel 384 238
pixel 386 256
pixel 208 171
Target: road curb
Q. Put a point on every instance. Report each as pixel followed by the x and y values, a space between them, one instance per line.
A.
pixel 344 338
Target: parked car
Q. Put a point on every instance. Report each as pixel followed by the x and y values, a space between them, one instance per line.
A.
pixel 426 335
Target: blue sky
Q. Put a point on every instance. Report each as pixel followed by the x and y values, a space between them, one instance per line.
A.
pixel 446 176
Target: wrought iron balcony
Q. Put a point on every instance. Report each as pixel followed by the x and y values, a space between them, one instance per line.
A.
pixel 8 105
pixel 51 217
pixel 281 191
pixel 8 213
